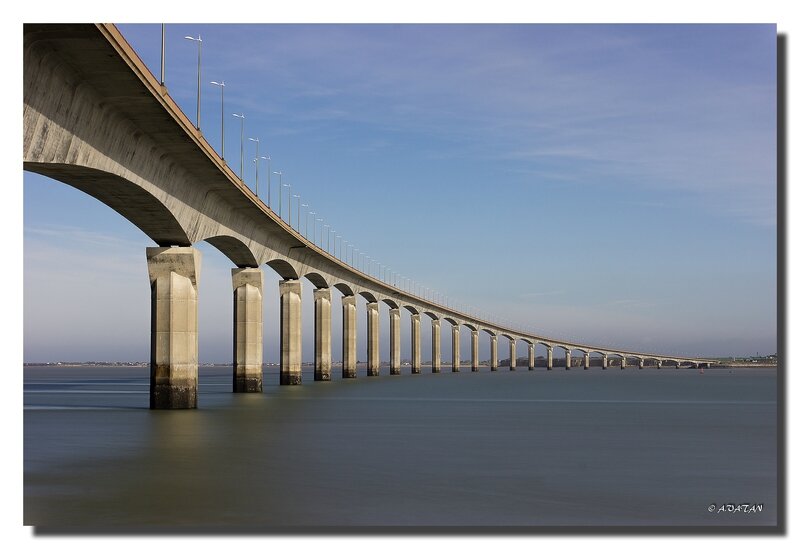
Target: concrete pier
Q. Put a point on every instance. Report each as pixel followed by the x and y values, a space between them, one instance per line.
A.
pixel 623 363
pixel 436 346
pixel 322 334
pixel 248 329
pixel 474 348
pixel 456 348
pixel 641 363
pixel 658 364
pixel 586 361
pixel 493 353
pixel 394 342
pixel 348 336
pixel 373 339
pixel 174 273
pixel 416 345
pixel 531 355
pixel 569 359
pixel 605 362
pixel 549 358
pixel 512 354
pixel 291 335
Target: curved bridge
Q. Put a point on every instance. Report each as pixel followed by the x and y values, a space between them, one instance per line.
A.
pixel 97 119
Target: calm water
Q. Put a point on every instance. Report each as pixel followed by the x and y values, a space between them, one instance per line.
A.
pixel 557 448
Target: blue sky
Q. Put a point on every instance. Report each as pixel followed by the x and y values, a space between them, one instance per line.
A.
pixel 613 184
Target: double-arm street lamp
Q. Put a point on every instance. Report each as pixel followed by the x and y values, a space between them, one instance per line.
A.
pixel 222 116
pixel 240 116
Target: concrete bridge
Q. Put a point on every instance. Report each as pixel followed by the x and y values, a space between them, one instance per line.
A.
pixel 97 119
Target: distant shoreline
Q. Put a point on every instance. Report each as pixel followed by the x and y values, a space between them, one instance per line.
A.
pixel 310 364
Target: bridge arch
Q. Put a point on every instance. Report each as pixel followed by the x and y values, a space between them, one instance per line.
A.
pixel 317 280
pixel 369 296
pixel 147 212
pixel 411 309
pixel 344 288
pixel 472 327
pixel 284 269
pixel 234 249
pixel 432 316
pixel 488 331
pixel 391 303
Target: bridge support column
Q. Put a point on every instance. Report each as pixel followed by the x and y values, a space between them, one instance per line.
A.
pixel 456 348
pixel 173 274
pixel 569 359
pixel 373 339
pixel 677 364
pixel 493 353
pixel 474 348
pixel 531 355
pixel 549 358
pixel 641 363
pixel 248 326
pixel 605 362
pixel 436 346
pixel 416 348
pixel 394 342
pixel 348 336
pixel 623 362
pixel 291 332
pixel 512 354
pixel 658 364
pixel 322 334
pixel 586 361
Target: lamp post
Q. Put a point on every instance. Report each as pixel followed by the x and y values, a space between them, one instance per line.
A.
pixel 335 243
pixel 315 230
pixel 312 214
pixel 332 231
pixel 241 157
pixel 280 192
pixel 222 115
pixel 268 158
pixel 289 190
pixel 327 235
pixel 163 50
pixel 297 196
pixel 350 254
pixel 255 140
pixel 199 42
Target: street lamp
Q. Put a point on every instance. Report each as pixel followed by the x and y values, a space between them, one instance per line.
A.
pixel 297 196
pixel 280 192
pixel 332 231
pixel 241 157
pixel 289 190
pixel 199 49
pixel 338 236
pixel 315 230
pixel 222 114
pixel 349 247
pixel 312 214
pixel 268 158
pixel 255 160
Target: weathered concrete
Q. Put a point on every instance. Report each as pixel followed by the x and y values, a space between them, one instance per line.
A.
pixel 512 354
pixel 394 342
pixel 641 363
pixel 456 365
pixel 322 334
pixel 493 353
pixel 474 348
pixel 373 340
pixel 531 355
pixel 605 362
pixel 586 361
pixel 623 363
pixel 174 274
pixel 568 359
pixel 549 358
pixel 658 364
pixel 291 332
pixel 436 346
pixel 348 336
pixel 248 329
pixel 416 345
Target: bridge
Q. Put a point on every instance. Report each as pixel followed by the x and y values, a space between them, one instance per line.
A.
pixel 97 119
